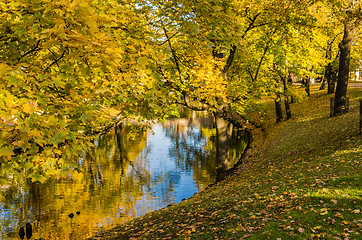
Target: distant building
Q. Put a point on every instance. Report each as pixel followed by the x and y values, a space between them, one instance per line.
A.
pixel 357 74
pixel 294 78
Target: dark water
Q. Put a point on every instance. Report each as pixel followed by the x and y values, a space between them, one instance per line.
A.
pixel 126 175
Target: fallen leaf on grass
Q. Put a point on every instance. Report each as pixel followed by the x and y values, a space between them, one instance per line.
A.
pixel 324 211
pixel 356 211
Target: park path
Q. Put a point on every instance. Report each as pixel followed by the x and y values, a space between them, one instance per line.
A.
pixel 355 85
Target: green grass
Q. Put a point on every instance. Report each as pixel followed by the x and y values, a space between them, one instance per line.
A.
pixel 302 180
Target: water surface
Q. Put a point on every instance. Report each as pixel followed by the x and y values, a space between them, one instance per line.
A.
pixel 126 175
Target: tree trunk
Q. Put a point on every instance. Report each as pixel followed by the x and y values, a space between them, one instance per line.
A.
pixel 323 83
pixel 343 71
pixel 286 101
pixel 278 110
pixel 328 67
pixel 307 86
pixel 328 77
pixel 360 116
pixel 222 142
pixel 332 81
pixel 287 109
pixel 222 125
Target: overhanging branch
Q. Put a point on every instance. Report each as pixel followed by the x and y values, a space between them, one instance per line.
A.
pixel 30 51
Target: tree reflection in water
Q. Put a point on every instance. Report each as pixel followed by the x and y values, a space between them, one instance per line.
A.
pixel 128 173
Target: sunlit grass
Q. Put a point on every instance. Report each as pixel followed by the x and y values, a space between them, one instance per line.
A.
pixel 302 181
pixel 338 193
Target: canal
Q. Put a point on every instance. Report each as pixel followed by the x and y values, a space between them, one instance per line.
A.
pixel 129 172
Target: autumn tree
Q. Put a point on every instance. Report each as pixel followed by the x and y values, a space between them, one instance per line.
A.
pixel 62 65
pixel 65 64
pixel 213 53
pixel 349 14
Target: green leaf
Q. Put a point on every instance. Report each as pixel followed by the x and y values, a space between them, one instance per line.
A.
pixel 58 138
pixel 36 177
pixel 6 152
pixel 20 30
pixel 12 80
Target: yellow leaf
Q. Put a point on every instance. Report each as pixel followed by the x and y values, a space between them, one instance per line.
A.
pixel 28 108
pixel 356 211
pixel 324 211
pixel 6 152
pixel 3 69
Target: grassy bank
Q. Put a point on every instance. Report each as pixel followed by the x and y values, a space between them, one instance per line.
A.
pixel 302 180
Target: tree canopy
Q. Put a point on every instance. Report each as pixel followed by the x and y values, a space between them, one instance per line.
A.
pixel 65 65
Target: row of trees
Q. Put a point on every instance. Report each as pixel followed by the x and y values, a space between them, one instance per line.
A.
pixel 63 63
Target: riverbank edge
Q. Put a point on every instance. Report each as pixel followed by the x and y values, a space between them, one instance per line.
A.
pixel 155 225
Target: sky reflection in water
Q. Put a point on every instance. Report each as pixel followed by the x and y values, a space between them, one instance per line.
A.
pixel 118 181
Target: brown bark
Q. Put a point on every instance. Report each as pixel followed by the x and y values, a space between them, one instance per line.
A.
pixel 328 70
pixel 287 109
pixel 222 141
pixel 332 81
pixel 343 71
pixel 323 83
pixel 307 85
pixel 278 110
pixel 360 116
pixel 330 73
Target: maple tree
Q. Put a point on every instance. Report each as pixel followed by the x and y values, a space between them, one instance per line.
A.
pixel 216 54
pixel 62 64
pixel 65 64
pixel 349 13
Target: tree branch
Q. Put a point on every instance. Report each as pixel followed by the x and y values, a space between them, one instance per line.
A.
pixel 264 53
pixel 230 59
pixel 172 51
pixel 250 74
pixel 194 108
pixel 251 24
pixel 56 60
pixel 233 48
pixel 30 51
pixel 168 39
